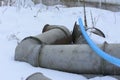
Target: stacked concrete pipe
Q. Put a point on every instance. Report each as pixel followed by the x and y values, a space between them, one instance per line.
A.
pixel 30 47
pixel 71 58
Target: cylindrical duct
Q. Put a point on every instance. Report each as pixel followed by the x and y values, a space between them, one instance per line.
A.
pixel 28 51
pixel 54 34
pixel 78 59
pixel 37 76
pixel 70 58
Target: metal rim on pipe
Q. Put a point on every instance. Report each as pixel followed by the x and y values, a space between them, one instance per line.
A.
pixel 104 55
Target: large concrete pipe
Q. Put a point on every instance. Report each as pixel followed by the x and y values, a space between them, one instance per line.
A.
pixel 71 58
pixel 54 34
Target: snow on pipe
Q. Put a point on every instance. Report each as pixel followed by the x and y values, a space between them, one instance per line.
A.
pixel 115 2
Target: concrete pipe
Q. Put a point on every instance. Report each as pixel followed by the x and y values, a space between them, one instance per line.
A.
pixel 92 76
pixel 54 34
pixel 28 51
pixel 71 58
pixel 37 76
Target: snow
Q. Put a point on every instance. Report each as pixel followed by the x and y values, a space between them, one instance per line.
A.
pixel 103 78
pixel 18 23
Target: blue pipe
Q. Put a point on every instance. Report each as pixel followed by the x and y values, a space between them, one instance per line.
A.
pixel 101 53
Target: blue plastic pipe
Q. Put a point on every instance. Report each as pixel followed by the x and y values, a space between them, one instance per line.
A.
pixel 101 53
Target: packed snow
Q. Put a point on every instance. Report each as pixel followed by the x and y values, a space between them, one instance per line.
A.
pixel 17 23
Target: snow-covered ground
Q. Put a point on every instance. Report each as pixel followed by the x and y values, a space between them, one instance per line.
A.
pixel 17 23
